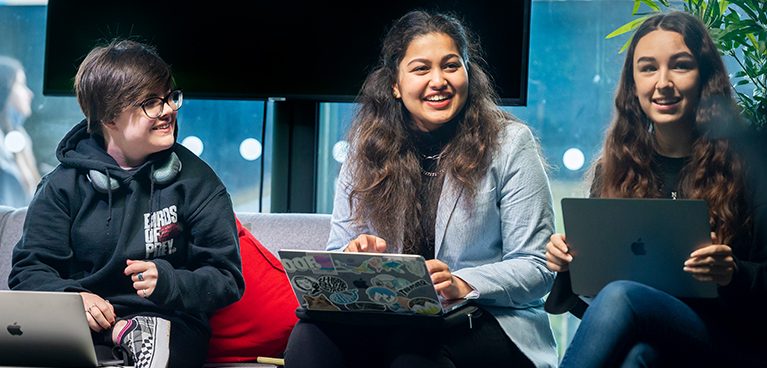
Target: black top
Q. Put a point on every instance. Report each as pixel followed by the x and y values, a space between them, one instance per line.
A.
pixel 429 146
pixel 668 169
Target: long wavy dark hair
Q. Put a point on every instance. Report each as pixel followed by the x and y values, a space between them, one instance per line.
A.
pixel 384 161
pixel 714 173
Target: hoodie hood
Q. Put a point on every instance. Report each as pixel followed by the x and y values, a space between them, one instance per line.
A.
pixel 82 150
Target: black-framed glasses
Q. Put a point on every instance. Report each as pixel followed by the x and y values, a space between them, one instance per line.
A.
pixel 153 107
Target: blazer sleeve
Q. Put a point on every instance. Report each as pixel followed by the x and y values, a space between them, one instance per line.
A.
pixel 341 227
pixel 526 213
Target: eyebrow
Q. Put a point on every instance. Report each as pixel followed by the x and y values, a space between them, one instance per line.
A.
pixel 649 59
pixel 426 61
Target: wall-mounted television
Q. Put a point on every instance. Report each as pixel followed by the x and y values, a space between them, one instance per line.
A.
pixel 297 50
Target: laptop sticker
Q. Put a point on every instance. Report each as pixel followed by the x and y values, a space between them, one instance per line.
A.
pixel 350 282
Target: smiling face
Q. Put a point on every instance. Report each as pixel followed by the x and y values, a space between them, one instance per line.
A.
pixel 667 78
pixel 433 82
pixel 132 136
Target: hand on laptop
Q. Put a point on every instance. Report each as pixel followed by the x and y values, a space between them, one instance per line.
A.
pixel 366 243
pixel 447 285
pixel 558 257
pixel 100 313
pixel 713 263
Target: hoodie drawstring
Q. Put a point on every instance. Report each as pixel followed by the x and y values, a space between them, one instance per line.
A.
pixel 109 203
pixel 151 188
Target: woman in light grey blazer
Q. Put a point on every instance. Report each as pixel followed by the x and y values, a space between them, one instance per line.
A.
pixel 437 168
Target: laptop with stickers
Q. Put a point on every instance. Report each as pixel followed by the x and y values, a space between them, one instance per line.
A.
pixel 362 284
pixel 643 240
pixel 45 329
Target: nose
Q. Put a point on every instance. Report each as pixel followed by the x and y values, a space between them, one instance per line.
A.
pixel 664 79
pixel 167 110
pixel 438 80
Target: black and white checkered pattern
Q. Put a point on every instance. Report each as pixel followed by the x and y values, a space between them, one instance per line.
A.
pixel 142 343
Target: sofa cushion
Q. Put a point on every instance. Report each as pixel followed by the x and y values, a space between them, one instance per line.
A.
pixel 258 324
pixel 11 228
pixel 309 231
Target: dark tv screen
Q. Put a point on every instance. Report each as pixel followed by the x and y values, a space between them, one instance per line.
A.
pixel 297 50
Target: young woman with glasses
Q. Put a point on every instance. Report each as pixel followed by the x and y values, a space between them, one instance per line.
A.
pixel 137 224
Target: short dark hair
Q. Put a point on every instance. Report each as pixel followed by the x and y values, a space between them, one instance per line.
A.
pixel 116 76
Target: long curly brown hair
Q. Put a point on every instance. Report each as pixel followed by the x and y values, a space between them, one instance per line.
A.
pixel 384 161
pixel 714 173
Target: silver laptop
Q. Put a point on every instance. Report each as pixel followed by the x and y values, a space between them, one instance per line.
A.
pixel 643 240
pixel 44 329
pixel 364 282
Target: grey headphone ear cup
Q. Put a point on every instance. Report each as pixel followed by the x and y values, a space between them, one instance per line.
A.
pixel 99 182
pixel 163 175
pixel 166 173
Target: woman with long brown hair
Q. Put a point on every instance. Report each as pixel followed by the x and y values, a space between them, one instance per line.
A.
pixel 437 168
pixel 675 116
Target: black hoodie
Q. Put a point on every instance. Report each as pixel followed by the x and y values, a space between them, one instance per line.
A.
pixel 77 238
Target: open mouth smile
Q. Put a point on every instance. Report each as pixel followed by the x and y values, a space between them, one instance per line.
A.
pixel 162 127
pixel 665 103
pixel 439 100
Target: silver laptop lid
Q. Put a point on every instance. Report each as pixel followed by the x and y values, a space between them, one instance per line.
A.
pixel 44 329
pixel 643 240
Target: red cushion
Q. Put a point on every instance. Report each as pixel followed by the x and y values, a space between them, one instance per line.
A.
pixel 258 324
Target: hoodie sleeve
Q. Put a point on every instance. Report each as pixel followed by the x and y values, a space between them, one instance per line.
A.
pixel 212 278
pixel 43 258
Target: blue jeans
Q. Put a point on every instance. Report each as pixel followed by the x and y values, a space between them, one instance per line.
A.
pixel 633 325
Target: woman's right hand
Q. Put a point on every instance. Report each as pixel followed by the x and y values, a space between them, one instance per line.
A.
pixel 100 313
pixel 366 243
pixel 558 257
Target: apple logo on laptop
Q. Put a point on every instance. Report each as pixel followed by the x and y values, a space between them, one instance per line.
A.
pixel 15 329
pixel 638 248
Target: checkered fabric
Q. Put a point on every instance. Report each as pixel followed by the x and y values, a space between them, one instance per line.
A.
pixel 146 340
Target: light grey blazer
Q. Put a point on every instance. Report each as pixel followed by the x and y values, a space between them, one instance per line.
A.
pixel 498 246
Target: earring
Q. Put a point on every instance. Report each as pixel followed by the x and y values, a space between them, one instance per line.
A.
pixel 396 95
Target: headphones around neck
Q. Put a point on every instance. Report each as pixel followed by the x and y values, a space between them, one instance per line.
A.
pixel 163 175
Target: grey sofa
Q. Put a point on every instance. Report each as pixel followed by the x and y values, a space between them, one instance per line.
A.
pixel 274 231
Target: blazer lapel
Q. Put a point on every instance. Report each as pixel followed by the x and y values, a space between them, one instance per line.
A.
pixel 448 200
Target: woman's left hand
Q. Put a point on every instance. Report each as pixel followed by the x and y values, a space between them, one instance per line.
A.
pixel 713 263
pixel 448 285
pixel 144 276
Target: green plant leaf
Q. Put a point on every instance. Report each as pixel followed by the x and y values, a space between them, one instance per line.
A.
pixel 649 3
pixel 628 27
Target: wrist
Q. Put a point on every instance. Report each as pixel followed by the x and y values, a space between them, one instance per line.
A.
pixel 465 290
